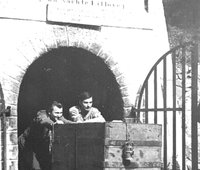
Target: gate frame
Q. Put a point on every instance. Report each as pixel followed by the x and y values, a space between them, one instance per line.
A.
pixel 174 109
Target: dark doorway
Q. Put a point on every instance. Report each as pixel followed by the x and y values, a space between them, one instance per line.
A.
pixel 61 74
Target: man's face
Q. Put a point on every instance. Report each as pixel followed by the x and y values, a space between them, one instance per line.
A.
pixel 57 112
pixel 86 104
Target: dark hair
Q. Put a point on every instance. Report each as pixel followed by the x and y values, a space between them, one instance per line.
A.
pixel 54 103
pixel 84 95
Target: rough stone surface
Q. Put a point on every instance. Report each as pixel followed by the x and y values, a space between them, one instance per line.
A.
pixel 127 102
pixel 12 123
pixel 121 81
pixel 95 48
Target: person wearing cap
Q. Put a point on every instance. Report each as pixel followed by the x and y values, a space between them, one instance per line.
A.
pixel 84 112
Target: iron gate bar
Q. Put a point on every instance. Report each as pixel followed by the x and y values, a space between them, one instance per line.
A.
pixel 194 115
pixel 149 74
pixel 174 106
pixel 159 109
pixel 155 95
pixel 165 111
pixel 183 106
pixel 153 68
pixel 146 102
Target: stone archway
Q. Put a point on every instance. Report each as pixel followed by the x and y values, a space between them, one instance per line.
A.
pixel 30 49
pixel 61 74
pixel 33 47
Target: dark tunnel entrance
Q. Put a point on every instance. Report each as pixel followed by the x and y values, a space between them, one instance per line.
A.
pixel 61 74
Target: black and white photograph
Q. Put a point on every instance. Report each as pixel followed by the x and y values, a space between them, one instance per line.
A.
pixel 100 85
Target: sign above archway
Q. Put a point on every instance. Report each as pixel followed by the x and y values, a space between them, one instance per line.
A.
pixel 100 13
pixel 113 13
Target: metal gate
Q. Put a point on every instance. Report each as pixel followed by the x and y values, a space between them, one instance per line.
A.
pixel 169 97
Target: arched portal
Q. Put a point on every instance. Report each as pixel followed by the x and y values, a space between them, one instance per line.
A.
pixel 61 74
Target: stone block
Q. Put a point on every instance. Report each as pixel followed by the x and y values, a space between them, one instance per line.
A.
pixel 12 138
pixel 10 84
pixel 12 123
pixel 127 102
pixel 116 71
pixel 121 81
pixel 10 97
pixel 127 111
pixel 104 56
pixel 110 62
pixel 12 152
pixel 11 165
pixel 95 48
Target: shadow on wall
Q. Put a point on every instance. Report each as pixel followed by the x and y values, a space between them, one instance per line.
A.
pixel 61 74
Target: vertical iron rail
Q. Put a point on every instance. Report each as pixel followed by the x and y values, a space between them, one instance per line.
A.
pixel 194 93
pixel 174 107
pixel 165 112
pixel 155 95
pixel 194 107
pixel 146 102
pixel 4 142
pixel 183 107
pixel 3 120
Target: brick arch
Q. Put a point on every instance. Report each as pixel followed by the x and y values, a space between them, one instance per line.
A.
pixel 33 48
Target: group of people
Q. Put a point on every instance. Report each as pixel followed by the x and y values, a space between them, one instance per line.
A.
pixel 36 138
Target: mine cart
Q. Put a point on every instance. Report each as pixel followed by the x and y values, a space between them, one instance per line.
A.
pixel 106 146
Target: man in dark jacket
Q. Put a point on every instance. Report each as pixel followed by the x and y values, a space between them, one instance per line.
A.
pixel 36 138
